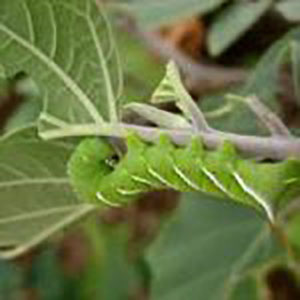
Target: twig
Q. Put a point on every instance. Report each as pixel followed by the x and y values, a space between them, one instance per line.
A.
pixel 219 112
pixel 265 115
pixel 269 147
pixel 158 116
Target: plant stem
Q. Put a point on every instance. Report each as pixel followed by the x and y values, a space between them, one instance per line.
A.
pixel 269 147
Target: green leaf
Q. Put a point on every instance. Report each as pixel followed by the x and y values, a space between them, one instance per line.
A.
pixel 264 82
pixel 290 9
pixel 171 88
pixel 232 22
pixel 36 197
pixel 207 250
pixel 155 13
pixel 264 79
pixel 67 48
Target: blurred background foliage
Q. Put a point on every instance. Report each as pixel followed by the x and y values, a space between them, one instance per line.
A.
pixel 171 246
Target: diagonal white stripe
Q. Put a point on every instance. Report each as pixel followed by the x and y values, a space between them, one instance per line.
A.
pixel 160 178
pixel 141 180
pixel 189 182
pixel 105 201
pixel 216 181
pixel 128 193
pixel 255 196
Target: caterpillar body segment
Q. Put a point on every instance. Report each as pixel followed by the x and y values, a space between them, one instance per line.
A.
pixel 161 165
pixel 291 182
pixel 160 162
pixel 88 165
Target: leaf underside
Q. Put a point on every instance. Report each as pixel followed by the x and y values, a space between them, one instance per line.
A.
pixel 67 48
pixel 36 197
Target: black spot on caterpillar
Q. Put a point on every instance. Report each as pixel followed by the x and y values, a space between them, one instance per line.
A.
pixel 147 167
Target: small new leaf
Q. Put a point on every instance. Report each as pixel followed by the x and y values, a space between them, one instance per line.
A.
pixel 171 88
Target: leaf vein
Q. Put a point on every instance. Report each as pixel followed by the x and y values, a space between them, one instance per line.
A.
pixel 12 170
pixel 72 86
pixel 29 22
pixel 105 72
pixel 34 181
pixel 38 214
pixel 53 49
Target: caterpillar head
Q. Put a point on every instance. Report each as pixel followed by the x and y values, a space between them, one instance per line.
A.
pixel 91 161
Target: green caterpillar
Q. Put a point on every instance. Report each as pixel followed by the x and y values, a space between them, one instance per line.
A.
pixel 146 167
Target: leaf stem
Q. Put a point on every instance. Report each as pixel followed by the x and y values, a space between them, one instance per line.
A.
pixel 219 112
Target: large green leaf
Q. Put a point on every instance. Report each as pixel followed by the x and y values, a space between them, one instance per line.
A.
pixel 156 12
pixel 67 48
pixel 233 21
pixel 264 80
pixel 36 198
pixel 210 250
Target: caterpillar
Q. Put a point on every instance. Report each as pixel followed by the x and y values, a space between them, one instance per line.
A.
pixel 145 167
